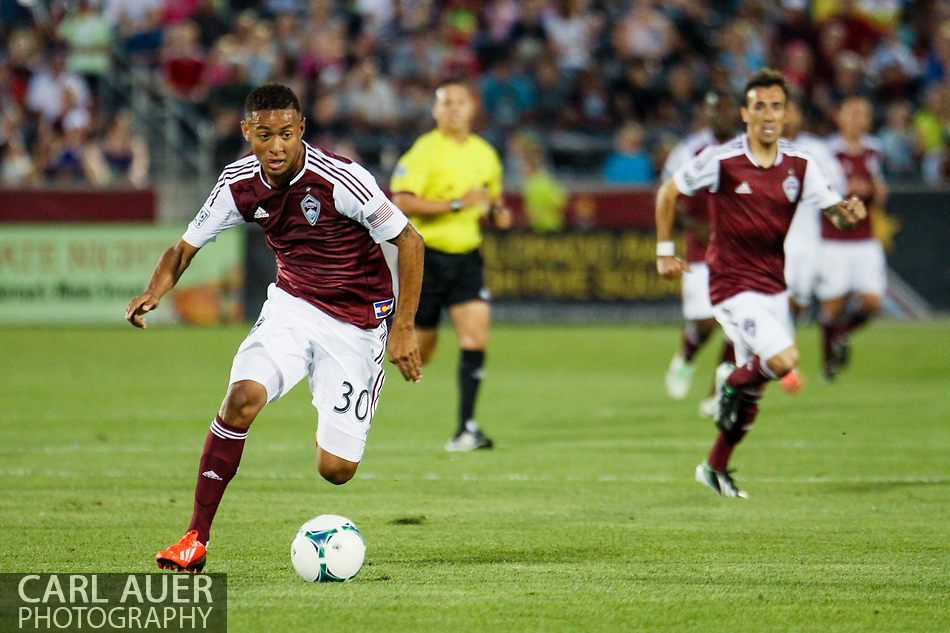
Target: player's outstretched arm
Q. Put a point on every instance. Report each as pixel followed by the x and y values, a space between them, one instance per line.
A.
pixel 403 348
pixel 168 271
pixel 667 263
pixel 846 213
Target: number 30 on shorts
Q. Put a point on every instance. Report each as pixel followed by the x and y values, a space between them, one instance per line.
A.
pixel 361 407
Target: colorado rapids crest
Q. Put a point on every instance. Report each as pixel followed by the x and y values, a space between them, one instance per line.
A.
pixel 791 186
pixel 311 209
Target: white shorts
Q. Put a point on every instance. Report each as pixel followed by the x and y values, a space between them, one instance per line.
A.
pixel 757 324
pixel 695 289
pixel 846 267
pixel 801 273
pixel 292 339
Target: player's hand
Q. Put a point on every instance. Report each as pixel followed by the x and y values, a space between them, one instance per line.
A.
pixel 138 306
pixel 671 267
pixel 404 352
pixel 501 217
pixel 852 211
pixel 477 197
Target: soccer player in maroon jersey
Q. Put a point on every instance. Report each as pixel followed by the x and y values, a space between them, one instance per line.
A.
pixel 851 263
pixel 756 181
pixel 337 239
pixel 721 113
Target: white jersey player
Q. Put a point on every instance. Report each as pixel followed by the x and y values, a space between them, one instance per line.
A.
pixel 804 236
pixel 722 115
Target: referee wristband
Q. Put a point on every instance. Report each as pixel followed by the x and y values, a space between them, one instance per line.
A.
pixel 665 249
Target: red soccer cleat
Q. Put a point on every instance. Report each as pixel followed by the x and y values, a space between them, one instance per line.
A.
pixel 188 555
pixel 792 382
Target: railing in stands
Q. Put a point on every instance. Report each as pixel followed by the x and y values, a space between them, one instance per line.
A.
pixel 180 138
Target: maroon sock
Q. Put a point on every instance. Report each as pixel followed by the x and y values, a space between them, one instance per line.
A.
pixel 722 446
pixel 828 335
pixel 728 352
pixel 752 375
pixel 720 453
pixel 693 339
pixel 218 465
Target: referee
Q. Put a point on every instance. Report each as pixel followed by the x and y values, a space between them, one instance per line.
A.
pixel 446 183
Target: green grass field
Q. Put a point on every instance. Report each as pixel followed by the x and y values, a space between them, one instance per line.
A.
pixel 585 517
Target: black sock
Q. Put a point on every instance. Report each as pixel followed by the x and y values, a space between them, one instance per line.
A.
pixel 470 377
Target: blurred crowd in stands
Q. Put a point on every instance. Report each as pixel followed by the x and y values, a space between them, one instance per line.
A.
pixel 577 88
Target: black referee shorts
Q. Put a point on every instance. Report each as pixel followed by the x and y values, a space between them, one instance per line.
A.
pixel 449 279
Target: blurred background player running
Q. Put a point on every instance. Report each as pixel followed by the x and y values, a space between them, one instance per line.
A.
pixel 852 268
pixel 803 242
pixel 721 115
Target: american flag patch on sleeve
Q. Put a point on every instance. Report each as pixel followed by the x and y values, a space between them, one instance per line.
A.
pixel 383 213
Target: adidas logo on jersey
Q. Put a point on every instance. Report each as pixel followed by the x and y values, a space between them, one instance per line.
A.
pixel 260 214
pixel 210 474
pixel 744 188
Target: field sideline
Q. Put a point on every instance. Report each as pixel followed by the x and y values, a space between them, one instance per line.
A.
pixel 584 518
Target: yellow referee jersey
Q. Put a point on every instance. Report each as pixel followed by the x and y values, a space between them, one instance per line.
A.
pixel 438 168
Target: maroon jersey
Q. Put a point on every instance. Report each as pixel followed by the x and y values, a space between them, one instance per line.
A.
pixel 752 209
pixel 326 228
pixel 861 169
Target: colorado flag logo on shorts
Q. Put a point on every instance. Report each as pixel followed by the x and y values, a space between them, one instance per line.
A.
pixel 383 308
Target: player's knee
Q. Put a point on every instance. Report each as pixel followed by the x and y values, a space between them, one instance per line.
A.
pixel 784 362
pixel 473 339
pixel 427 340
pixel 706 327
pixel 426 353
pixel 244 401
pixel 336 473
pixel 872 304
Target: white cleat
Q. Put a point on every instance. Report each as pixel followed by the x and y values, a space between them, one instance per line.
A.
pixel 719 481
pixel 709 407
pixel 471 439
pixel 679 377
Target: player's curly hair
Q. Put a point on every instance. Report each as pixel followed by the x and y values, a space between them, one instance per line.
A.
pixel 765 78
pixel 271 97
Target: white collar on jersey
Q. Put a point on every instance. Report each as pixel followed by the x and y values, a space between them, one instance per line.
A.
pixel 748 151
pixel 303 169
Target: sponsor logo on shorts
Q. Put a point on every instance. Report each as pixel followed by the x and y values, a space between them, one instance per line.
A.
pixel 749 326
pixel 383 308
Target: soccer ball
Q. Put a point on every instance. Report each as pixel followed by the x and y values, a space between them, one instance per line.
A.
pixel 328 548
